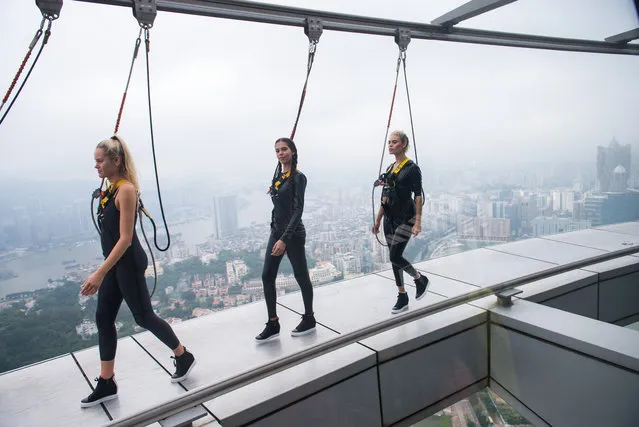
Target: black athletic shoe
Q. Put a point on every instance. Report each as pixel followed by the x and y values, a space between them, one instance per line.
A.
pixel 306 326
pixel 422 286
pixel 183 366
pixel 104 390
pixel 270 332
pixel 401 304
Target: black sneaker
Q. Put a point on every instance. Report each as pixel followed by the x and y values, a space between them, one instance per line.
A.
pixel 270 332
pixel 401 304
pixel 104 390
pixel 183 366
pixel 422 286
pixel 306 326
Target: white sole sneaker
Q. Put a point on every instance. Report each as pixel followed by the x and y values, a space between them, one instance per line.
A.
pixel 299 334
pixel 421 297
pixel 185 376
pixel 271 338
pixel 97 402
pixel 404 308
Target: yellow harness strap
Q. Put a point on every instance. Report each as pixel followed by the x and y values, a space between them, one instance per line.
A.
pixel 111 189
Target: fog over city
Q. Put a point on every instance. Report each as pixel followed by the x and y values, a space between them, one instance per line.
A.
pixel 224 90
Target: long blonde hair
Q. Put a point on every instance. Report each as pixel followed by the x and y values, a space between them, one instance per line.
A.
pixel 116 147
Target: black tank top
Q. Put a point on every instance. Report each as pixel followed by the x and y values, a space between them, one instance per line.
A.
pixel 109 224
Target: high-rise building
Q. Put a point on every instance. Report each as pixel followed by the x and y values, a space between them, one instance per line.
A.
pixel 620 207
pixel 562 200
pixel 578 212
pixel 619 182
pixel 225 216
pixel 593 204
pixel 608 159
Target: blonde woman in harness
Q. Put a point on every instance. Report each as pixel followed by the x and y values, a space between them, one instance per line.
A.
pixel 121 275
pixel 402 216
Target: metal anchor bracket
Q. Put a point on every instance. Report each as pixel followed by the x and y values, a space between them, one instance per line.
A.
pixel 145 12
pixel 313 29
pixel 402 38
pixel 50 8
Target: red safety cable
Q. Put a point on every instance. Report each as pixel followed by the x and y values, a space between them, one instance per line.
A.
pixel 126 89
pixel 37 36
pixel 402 55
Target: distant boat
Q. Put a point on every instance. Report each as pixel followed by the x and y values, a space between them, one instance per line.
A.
pixel 71 261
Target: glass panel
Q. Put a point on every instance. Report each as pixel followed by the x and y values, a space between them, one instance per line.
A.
pixel 482 409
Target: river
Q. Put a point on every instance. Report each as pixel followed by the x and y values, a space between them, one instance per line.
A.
pixel 35 268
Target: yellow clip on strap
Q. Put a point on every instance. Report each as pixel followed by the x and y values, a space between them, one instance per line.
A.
pixel 281 180
pixel 399 167
pixel 110 191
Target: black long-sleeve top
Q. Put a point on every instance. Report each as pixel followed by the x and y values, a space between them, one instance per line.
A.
pixel 288 206
pixel 407 183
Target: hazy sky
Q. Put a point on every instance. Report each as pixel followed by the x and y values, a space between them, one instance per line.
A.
pixel 224 90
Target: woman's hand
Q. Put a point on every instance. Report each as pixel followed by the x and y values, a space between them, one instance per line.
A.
pixel 376 227
pixel 278 248
pixel 92 283
pixel 417 228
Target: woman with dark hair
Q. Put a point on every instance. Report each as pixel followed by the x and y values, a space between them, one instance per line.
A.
pixel 121 275
pixel 402 216
pixel 287 236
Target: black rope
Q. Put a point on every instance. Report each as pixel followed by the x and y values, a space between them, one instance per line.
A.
pixel 375 217
pixel 309 65
pixel 148 245
pixel 412 126
pixel 410 110
pixel 47 34
pixel 96 195
pixel 155 166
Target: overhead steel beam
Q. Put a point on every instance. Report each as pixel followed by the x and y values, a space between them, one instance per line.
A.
pixel 624 37
pixel 292 16
pixel 469 10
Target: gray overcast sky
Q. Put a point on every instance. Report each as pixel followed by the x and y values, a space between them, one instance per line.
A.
pixel 224 90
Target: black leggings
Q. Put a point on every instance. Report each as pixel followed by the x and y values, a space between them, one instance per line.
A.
pixel 297 255
pixel 398 234
pixel 127 282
